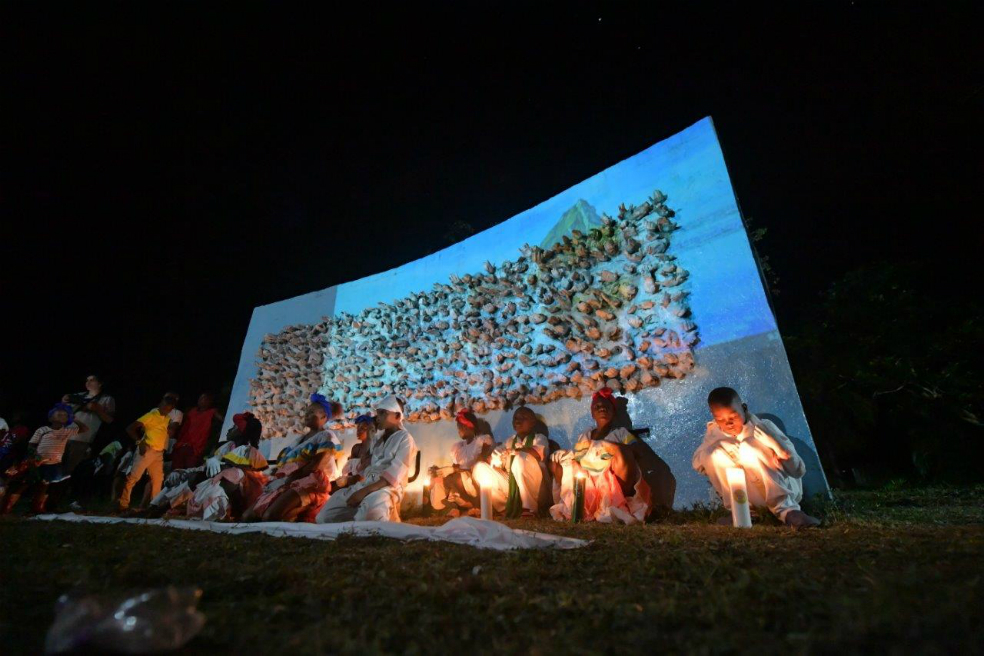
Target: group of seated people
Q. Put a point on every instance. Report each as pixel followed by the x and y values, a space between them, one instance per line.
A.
pixel 527 475
pixel 624 480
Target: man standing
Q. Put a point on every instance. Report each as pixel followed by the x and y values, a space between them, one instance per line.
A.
pixel 151 434
pixel 93 408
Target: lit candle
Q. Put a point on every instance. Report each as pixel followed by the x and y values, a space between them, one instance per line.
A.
pixel 577 513
pixel 484 491
pixel 486 496
pixel 425 497
pixel 741 514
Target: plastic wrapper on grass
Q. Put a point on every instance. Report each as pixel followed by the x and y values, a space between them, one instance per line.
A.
pixel 156 620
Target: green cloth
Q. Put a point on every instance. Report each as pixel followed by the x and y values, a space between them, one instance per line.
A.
pixel 514 503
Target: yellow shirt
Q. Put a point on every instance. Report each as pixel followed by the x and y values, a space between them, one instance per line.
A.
pixel 155 430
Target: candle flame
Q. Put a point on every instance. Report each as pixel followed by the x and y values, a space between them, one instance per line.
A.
pixel 736 477
pixel 481 476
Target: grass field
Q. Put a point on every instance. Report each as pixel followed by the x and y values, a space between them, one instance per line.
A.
pixel 893 571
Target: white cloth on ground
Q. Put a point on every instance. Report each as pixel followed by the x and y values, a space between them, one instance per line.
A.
pixel 464 530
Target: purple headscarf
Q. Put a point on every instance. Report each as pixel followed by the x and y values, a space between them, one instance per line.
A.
pixel 63 406
pixel 323 402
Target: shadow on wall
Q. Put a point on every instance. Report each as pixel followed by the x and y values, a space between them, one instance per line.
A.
pixel 813 480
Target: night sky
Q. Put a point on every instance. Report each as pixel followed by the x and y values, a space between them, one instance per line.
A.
pixel 166 169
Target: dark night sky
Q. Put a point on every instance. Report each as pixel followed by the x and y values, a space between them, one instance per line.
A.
pixel 166 169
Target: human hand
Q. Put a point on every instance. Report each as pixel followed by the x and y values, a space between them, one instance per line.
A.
pixel 173 477
pixel 356 498
pixel 212 466
pixel 772 444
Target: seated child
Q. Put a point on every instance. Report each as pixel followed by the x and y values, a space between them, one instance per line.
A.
pixel 365 426
pixel 518 468
pixel 378 496
pixel 302 480
pixel 454 484
pixel 773 469
pixel 615 489
pixel 42 466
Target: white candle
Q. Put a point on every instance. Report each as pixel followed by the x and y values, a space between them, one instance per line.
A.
pixel 741 514
pixel 425 502
pixel 486 497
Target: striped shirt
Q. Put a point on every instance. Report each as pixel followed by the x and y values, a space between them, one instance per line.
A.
pixel 51 442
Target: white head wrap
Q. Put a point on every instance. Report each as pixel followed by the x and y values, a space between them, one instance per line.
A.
pixel 390 404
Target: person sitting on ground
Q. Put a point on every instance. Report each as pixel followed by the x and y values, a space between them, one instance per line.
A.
pixel 305 473
pixel 615 489
pixel 378 496
pixel 454 484
pixel 239 483
pixel 42 466
pixel 13 448
pixel 94 475
pixel 150 432
pixel 773 470
pixel 193 436
pixel 94 408
pixel 518 468
pixel 180 484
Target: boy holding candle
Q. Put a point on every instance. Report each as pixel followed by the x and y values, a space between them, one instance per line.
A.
pixel 518 468
pixel 773 469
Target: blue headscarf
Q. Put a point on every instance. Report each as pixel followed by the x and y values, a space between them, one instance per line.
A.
pixel 323 402
pixel 67 408
pixel 364 419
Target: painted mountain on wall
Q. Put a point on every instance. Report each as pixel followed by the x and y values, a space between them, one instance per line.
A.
pixel 582 216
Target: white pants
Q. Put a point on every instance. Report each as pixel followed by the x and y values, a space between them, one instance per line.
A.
pixel 381 505
pixel 529 477
pixel 768 485
pixel 169 494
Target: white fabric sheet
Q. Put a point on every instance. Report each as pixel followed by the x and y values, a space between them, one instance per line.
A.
pixel 463 530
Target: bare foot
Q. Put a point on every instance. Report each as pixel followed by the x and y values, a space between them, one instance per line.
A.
pixel 797 520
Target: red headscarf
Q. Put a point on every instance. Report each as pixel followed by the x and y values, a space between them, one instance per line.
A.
pixel 605 393
pixel 464 417
pixel 240 420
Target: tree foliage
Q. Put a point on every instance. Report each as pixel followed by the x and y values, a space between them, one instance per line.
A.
pixel 888 367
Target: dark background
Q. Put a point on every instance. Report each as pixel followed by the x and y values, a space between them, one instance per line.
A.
pixel 168 168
